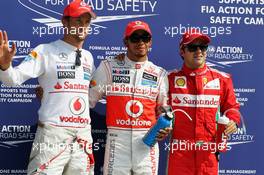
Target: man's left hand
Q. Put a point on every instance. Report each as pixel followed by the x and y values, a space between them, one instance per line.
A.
pixel 163 133
pixel 231 127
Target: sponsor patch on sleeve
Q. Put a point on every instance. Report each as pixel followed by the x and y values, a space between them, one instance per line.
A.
pixel 32 56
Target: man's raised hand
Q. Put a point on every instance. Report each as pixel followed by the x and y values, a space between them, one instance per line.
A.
pixel 6 53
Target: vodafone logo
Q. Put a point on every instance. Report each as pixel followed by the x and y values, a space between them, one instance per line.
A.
pixel 73 119
pixel 77 105
pixel 83 4
pixel 134 108
pixel 138 22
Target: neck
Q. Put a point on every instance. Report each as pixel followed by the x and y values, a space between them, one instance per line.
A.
pixel 70 40
pixel 136 58
pixel 194 68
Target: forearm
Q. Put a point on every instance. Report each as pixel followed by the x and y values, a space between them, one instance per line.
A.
pixel 8 77
pixel 94 97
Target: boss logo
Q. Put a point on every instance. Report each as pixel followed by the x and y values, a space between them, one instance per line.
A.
pixel 66 74
pixel 121 79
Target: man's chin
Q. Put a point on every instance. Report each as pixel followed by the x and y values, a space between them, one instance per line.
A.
pixel 141 55
pixel 199 64
pixel 80 38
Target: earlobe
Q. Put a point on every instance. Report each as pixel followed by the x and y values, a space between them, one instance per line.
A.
pixel 63 21
pixel 181 52
pixel 150 43
pixel 125 42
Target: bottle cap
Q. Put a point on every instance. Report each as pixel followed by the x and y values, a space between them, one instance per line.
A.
pixel 169 115
pixel 168 112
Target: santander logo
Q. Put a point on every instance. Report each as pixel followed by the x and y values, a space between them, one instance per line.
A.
pixel 77 105
pixel 209 101
pixel 176 100
pixel 58 86
pixel 71 86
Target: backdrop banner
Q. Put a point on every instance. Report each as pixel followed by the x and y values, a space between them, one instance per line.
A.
pixel 236 29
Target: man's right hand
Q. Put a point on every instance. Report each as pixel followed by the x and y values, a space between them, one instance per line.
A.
pixel 39 92
pixel 6 53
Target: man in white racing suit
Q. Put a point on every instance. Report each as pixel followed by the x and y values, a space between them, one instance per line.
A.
pixel 134 88
pixel 63 142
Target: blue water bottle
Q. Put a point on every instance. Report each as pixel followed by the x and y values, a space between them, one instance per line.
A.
pixel 163 121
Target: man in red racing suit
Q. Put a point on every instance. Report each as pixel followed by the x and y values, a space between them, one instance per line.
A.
pixel 199 91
